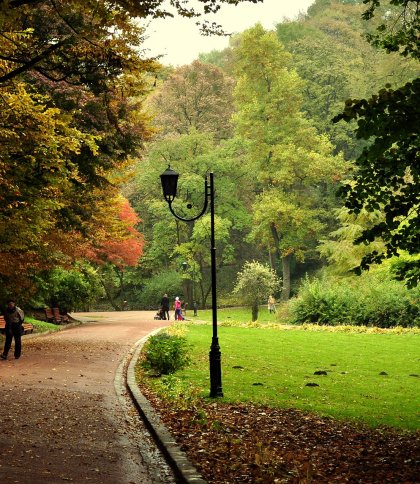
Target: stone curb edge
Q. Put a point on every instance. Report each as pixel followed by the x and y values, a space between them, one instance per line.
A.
pixel 166 442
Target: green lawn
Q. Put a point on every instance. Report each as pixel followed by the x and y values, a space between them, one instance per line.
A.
pixel 275 366
pixel 42 326
pixel 239 314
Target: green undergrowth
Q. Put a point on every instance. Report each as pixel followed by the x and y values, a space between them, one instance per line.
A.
pixel 241 317
pixel 42 326
pixel 165 354
pixel 370 377
pixel 373 299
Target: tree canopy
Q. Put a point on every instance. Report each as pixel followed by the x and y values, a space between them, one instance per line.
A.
pixel 81 105
pixel 292 166
pixel 388 173
pixel 71 122
pixel 254 284
pixel 196 96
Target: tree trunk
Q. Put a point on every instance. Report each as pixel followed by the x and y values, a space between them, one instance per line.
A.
pixel 188 297
pixel 272 263
pixel 277 254
pixel 285 293
pixel 285 263
pixel 254 311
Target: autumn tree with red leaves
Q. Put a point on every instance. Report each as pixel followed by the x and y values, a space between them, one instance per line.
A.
pixel 112 255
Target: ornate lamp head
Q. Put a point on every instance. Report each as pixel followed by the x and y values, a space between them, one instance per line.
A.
pixel 169 180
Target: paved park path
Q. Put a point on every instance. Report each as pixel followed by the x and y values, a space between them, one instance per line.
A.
pixel 65 412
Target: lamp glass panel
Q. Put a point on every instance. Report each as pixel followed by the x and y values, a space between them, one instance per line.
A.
pixel 169 180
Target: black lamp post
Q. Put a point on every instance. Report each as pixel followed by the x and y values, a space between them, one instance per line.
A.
pixel 169 179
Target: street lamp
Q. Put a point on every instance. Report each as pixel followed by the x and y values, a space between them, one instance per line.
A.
pixel 169 180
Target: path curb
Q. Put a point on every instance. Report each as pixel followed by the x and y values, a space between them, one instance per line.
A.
pixel 176 457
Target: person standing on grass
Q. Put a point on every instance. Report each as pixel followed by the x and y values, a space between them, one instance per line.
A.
pixel 14 320
pixel 271 304
pixel 165 306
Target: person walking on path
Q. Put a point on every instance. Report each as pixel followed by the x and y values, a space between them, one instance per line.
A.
pixel 14 319
pixel 178 312
pixel 165 306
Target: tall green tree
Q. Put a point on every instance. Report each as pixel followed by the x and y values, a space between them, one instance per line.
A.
pixel 294 170
pixel 196 96
pixel 388 175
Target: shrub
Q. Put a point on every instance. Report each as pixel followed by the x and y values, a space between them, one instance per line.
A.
pixel 322 303
pixel 165 354
pixel 388 304
pixel 372 299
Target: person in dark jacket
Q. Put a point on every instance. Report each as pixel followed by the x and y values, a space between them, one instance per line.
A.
pixel 14 319
pixel 165 306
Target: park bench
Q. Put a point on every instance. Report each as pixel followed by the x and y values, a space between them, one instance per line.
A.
pixel 49 315
pixel 60 318
pixel 27 327
pixel 52 315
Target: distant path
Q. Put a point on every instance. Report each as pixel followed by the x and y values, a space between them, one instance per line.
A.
pixel 65 414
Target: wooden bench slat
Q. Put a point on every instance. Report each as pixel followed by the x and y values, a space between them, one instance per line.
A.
pixel 27 327
pixel 59 317
pixel 49 315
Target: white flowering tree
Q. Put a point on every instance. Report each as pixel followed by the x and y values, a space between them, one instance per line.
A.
pixel 254 284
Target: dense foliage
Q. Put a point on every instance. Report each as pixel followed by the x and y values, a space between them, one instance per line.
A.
pixel 372 300
pixel 388 174
pixel 149 295
pixel 71 119
pixel 81 105
pixel 254 284
pixel 399 28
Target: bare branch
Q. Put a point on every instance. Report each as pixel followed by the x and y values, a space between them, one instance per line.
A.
pixel 27 65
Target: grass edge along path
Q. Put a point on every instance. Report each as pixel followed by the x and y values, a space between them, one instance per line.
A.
pixel 370 377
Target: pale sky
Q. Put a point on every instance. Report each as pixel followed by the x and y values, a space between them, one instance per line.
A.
pixel 179 41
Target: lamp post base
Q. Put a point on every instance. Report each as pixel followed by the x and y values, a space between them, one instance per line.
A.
pixel 215 369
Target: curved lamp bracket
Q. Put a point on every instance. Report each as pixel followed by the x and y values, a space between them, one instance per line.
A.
pixel 206 202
